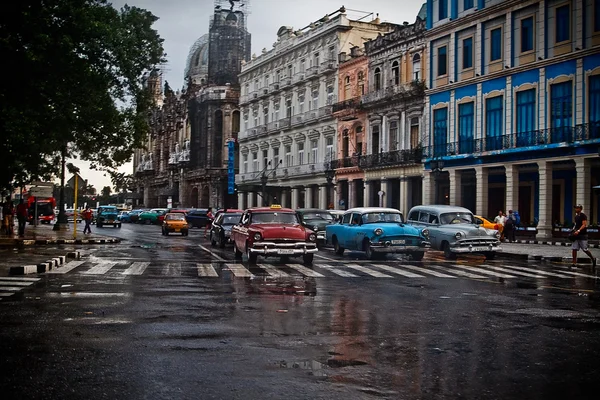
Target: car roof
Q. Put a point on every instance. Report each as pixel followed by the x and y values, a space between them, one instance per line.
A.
pixel 442 208
pixel 301 210
pixel 364 210
pixel 230 210
pixel 265 209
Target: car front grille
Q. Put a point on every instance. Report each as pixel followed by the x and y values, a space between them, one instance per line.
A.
pixel 478 242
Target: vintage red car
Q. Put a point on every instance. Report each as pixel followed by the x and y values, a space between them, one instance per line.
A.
pixel 272 232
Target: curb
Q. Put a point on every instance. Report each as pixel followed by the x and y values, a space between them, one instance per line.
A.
pixel 553 243
pixel 46 266
pixel 524 257
pixel 44 242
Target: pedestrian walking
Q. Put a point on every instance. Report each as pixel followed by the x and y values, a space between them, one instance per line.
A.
pixel 7 212
pixel 87 217
pixel 580 234
pixel 22 217
pixel 500 220
pixel 209 220
pixel 510 226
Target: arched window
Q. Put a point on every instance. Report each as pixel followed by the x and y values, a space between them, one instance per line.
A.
pixel 345 143
pixel 361 83
pixel 416 67
pixel 377 79
pixel 395 73
pixel 347 89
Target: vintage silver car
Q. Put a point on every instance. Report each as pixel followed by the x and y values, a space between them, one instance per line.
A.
pixel 454 231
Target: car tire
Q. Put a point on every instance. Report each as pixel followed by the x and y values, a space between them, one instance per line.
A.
pixel 98 225
pixel 184 233
pixel 339 250
pixel 417 255
pixel 252 257
pixel 119 226
pixel 308 258
pixel 448 254
pixel 489 255
pixel 371 255
pixel 236 252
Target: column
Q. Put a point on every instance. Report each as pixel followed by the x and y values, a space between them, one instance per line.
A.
pixel 384 189
pixel 512 187
pixel 481 201
pixel 367 194
pixel 250 200
pixel 584 184
pixel 455 187
pixel 308 191
pixel 404 195
pixel 241 204
pixel 545 201
pixel 427 188
pixel 350 199
pixel 337 195
pixel 283 200
pixel 323 197
pixel 294 198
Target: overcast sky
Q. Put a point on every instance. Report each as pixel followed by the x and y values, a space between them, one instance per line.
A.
pixel 181 22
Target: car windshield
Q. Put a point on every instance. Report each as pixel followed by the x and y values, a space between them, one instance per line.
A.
pixel 175 217
pixel 457 218
pixel 231 219
pixel 274 218
pixel 370 218
pixel 310 216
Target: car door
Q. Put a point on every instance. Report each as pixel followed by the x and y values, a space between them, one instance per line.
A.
pixel 352 229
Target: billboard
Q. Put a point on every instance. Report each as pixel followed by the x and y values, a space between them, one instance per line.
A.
pixel 231 167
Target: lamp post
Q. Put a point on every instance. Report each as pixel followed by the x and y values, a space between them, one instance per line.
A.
pixel 329 174
pixel 437 165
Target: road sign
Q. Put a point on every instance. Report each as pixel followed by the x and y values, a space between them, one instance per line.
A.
pixel 41 183
pixel 41 191
pixel 231 167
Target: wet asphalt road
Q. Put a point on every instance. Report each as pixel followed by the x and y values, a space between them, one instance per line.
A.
pixel 174 318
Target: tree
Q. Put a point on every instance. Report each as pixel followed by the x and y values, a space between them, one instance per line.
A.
pixel 77 70
pixel 106 191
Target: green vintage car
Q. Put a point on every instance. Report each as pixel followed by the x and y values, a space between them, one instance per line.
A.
pixel 154 216
pixel 107 215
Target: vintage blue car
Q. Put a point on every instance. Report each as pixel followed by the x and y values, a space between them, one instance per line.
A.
pixel 377 231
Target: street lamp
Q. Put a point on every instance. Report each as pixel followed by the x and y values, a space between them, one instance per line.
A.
pixel 437 165
pixel 329 175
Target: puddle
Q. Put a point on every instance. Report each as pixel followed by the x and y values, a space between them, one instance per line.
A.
pixel 314 367
pixel 341 363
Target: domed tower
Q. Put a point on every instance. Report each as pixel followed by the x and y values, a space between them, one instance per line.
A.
pixel 196 67
pixel 229 41
pixel 154 85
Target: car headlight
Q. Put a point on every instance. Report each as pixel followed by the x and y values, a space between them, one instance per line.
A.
pixel 378 231
pixel 458 235
pixel 316 228
pixel 257 236
pixel 497 235
pixel 312 237
pixel 425 233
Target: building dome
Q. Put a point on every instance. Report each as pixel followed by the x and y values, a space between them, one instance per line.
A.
pixel 197 61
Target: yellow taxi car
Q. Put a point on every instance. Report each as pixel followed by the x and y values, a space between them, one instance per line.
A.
pixel 175 222
pixel 487 224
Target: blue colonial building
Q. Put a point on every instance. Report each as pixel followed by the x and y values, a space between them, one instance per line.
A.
pixel 513 107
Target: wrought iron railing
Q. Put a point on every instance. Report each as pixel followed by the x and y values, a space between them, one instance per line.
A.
pixel 392 158
pixel 350 104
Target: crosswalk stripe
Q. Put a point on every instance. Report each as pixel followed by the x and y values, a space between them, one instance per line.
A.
pixel 459 273
pixel 239 271
pixel 368 271
pixel 172 269
pixel 561 275
pixel 14 283
pixel 573 273
pixel 306 271
pixel 337 271
pixel 100 268
pixel 11 278
pixel 397 271
pixel 137 268
pixel 6 294
pixel 71 265
pixel 427 271
pixel 484 271
pixel 12 288
pixel 516 272
pixel 207 270
pixel 273 271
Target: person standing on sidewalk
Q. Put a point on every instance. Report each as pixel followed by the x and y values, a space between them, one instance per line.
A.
pixel 580 233
pixel 22 217
pixel 7 212
pixel 500 220
pixel 209 217
pixel 510 226
pixel 87 217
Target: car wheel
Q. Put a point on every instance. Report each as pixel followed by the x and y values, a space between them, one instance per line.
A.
pixel 339 250
pixel 369 250
pixel 213 242
pixel 448 254
pixel 489 255
pixel 119 226
pixel 236 252
pixel 252 257
pixel 308 258
pixel 184 233
pixel 99 225
pixel 222 241
pixel 417 255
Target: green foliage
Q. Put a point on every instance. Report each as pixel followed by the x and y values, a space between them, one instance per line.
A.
pixel 75 77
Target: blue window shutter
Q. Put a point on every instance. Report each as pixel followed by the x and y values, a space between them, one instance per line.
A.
pixel 596 15
pixel 442 9
pixel 496 44
pixel 466 115
pixel 561 111
pixel 526 125
pixel 563 23
pixel 527 34
pixel 494 107
pixel 467 4
pixel 442 61
pixel 440 131
pixel 594 106
pixel 467 49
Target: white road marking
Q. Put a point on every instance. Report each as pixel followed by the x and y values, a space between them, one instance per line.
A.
pixel 14 283
pixel 137 268
pixel 6 294
pixel 239 271
pixel 273 271
pixel 337 271
pixel 458 272
pixel 306 271
pixel 212 253
pixel 71 265
pixel 426 271
pixel 563 274
pixel 397 271
pixel 100 268
pixel 172 269
pixel 368 271
pixel 11 278
pixel 518 272
pixel 483 271
pixel 207 271
pixel 12 288
pixel 326 258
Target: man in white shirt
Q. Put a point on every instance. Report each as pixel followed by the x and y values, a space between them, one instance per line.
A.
pixel 500 220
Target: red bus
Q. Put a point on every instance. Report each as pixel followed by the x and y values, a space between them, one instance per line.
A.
pixel 45 209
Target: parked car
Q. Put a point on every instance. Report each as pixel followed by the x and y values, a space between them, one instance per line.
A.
pixel 197 218
pixel 107 215
pixel 70 214
pixel 487 224
pixel 272 232
pixel 454 231
pixel 175 222
pixel 134 215
pixel 337 214
pixel 316 220
pixel 220 230
pixel 377 231
pixel 123 216
pixel 153 216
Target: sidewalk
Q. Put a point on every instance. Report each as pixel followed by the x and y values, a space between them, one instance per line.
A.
pixel 545 251
pixel 44 235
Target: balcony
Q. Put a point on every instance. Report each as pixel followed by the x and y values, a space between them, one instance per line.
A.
pixel 327 66
pixel 285 82
pixel 570 135
pixel 404 92
pixel 394 158
pixel 312 72
pixel 347 110
pixel 346 162
pixel 275 87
